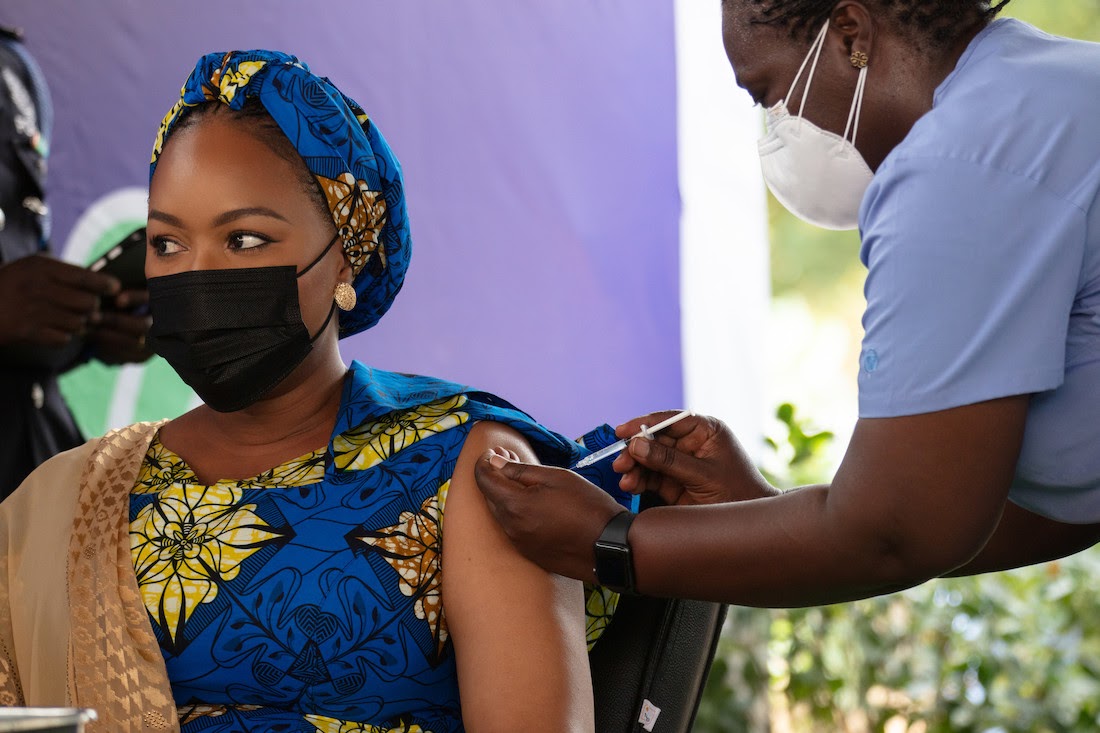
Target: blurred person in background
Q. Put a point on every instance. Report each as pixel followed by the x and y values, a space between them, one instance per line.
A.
pixel 53 315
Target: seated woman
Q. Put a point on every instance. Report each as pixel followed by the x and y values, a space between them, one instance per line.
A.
pixel 272 560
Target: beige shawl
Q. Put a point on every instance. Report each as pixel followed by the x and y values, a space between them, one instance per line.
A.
pixel 73 628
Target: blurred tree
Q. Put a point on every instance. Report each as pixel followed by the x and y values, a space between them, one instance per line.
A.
pixel 1013 652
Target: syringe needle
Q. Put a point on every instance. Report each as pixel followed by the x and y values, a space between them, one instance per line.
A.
pixel 618 445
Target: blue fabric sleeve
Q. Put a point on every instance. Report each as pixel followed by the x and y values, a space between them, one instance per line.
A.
pixel 971 278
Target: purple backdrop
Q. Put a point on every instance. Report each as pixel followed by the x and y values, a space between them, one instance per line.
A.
pixel 539 147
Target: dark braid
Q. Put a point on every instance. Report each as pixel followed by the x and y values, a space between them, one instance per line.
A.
pixel 934 23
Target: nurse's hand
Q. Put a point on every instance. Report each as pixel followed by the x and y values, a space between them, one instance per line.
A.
pixel 694 461
pixel 552 515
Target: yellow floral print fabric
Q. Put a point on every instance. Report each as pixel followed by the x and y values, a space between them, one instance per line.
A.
pixel 189 543
pixel 412 548
pixel 374 442
pixel 309 598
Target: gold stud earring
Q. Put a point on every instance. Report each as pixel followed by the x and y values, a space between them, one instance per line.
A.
pixel 344 296
pixel 859 59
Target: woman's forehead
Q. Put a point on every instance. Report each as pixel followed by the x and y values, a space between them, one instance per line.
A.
pixel 224 141
pixel 218 159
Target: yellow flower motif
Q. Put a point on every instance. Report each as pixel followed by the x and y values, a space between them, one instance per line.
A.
pixel 411 547
pixel 188 713
pixel 160 469
pixel 188 541
pixel 158 144
pixel 163 468
pixel 599 606
pixel 230 80
pixel 359 214
pixel 371 443
pixel 332 725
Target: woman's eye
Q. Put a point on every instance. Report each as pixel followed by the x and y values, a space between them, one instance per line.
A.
pixel 246 240
pixel 165 246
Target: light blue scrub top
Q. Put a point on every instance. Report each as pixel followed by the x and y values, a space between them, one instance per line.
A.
pixel 981 237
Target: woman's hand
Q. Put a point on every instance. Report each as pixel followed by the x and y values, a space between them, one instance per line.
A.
pixel 694 461
pixel 552 515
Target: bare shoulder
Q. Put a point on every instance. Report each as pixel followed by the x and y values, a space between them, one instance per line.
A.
pixel 468 514
pixel 488 434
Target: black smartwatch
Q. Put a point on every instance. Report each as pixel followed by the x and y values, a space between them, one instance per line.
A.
pixel 614 561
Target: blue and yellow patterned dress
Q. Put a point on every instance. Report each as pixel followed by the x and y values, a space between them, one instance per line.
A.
pixel 308 598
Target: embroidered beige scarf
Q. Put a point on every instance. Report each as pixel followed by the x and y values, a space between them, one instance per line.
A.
pixel 114 663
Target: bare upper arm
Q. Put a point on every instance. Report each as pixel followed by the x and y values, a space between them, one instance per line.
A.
pixel 932 487
pixel 518 631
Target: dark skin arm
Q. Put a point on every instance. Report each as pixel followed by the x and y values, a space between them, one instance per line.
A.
pixel 1023 538
pixel 915 497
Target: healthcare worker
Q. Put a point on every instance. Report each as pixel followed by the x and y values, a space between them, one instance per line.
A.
pixel 965 148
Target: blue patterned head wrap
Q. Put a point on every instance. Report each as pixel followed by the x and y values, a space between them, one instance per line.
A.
pixel 357 171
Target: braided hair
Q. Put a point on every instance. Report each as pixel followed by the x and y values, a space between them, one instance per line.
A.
pixel 935 23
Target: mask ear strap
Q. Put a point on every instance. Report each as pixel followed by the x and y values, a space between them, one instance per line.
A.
pixel 318 257
pixel 857 106
pixel 325 324
pixel 332 308
pixel 815 51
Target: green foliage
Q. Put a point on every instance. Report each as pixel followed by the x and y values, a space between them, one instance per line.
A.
pixel 1072 18
pixel 999 653
pixel 800 452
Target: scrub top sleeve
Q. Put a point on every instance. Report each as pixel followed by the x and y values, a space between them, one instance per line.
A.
pixel 971 276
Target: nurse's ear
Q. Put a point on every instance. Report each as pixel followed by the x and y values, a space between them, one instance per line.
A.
pixel 855 30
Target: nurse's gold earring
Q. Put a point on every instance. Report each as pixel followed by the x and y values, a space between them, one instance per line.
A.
pixel 859 59
pixel 344 296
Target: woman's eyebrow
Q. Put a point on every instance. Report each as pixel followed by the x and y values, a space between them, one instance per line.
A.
pixel 233 214
pixel 156 215
pixel 221 219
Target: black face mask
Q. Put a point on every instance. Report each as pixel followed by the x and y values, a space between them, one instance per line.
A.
pixel 232 335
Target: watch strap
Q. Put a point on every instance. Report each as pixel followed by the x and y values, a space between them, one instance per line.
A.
pixel 614 559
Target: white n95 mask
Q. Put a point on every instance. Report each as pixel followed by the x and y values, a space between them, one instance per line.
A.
pixel 818 175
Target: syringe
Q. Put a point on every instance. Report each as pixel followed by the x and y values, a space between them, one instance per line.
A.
pixel 618 445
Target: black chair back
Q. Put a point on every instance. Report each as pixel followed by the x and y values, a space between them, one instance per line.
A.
pixel 653 656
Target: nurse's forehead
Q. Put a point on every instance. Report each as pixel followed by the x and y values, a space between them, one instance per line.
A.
pixel 753 49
